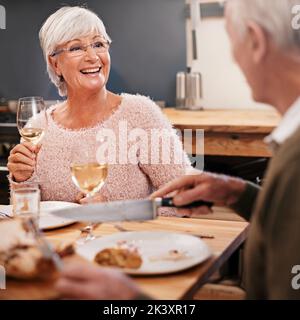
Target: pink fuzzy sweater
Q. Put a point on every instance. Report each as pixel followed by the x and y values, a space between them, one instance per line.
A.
pixel 124 181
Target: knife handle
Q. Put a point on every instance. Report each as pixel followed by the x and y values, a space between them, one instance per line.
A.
pixel 168 202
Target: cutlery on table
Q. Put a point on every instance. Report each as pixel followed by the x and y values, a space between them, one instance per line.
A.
pixel 129 210
pixel 45 247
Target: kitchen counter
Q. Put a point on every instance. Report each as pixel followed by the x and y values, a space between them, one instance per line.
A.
pixel 228 132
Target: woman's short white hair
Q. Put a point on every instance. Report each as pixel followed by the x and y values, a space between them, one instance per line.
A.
pixel 64 25
pixel 274 16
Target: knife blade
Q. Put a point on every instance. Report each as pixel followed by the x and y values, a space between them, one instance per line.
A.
pixel 46 249
pixel 128 210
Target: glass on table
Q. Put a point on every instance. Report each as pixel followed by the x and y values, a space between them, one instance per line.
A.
pixel 26 203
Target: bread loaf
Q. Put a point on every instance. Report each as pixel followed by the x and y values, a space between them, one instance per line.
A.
pixel 21 255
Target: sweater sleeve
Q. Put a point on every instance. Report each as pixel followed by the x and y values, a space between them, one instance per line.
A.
pixel 245 206
pixel 165 158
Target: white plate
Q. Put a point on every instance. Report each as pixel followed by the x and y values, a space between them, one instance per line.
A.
pixel 48 221
pixel 154 248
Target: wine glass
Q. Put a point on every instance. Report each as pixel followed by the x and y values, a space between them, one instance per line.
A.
pixel 32 119
pixel 89 176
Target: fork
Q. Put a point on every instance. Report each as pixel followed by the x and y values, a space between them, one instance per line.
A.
pixel 119 227
pixel 202 236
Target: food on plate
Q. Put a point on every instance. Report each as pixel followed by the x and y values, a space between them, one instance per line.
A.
pixel 122 256
pixel 171 255
pixel 20 254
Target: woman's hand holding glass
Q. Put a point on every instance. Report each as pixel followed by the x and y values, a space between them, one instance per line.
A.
pixel 32 124
pixel 22 161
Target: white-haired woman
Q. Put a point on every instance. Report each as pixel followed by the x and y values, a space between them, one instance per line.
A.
pixel 76 49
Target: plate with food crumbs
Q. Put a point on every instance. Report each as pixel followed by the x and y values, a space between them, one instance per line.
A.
pixel 146 252
pixel 47 221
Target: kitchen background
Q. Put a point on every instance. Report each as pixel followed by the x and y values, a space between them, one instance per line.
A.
pixel 151 43
pixel 148 46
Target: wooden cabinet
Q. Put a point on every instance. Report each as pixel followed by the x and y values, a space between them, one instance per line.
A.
pixel 228 132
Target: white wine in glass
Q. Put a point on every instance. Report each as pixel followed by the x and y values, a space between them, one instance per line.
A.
pixel 33 135
pixel 90 177
pixel 32 119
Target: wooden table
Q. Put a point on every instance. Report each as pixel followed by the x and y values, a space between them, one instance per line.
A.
pixel 228 236
pixel 228 132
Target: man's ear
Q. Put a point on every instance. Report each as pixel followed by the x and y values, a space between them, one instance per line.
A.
pixel 258 41
pixel 53 62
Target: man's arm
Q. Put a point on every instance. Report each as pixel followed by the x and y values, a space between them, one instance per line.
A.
pixel 281 226
pixel 245 205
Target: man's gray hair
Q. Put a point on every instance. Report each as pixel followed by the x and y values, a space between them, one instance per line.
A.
pixel 64 25
pixel 274 16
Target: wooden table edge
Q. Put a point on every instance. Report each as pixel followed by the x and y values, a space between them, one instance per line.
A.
pixel 216 263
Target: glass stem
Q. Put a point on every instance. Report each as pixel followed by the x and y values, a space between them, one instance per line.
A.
pixel 91 226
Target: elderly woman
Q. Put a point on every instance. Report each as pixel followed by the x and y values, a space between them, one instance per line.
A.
pixel 76 49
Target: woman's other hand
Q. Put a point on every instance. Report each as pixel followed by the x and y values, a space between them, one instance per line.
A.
pixel 82 199
pixel 22 160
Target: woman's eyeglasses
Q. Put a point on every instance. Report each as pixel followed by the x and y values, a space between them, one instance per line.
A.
pixel 78 50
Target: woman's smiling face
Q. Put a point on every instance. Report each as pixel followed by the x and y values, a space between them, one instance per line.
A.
pixel 83 64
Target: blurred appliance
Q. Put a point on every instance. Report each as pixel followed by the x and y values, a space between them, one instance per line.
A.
pixel 189 84
pixel 9 137
pixel 189 90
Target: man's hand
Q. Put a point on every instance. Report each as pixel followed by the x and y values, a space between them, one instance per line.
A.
pixel 80 280
pixel 220 189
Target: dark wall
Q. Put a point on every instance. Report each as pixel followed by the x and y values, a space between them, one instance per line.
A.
pixel 148 46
